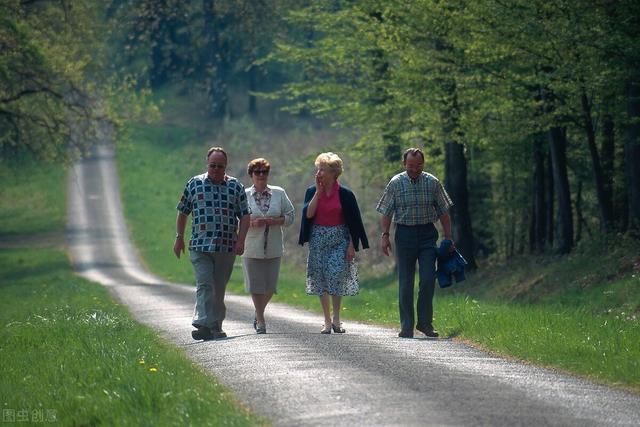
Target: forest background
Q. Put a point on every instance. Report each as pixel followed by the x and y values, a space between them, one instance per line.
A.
pixel 527 110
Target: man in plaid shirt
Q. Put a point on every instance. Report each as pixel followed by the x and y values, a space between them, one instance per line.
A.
pixel 414 200
pixel 219 224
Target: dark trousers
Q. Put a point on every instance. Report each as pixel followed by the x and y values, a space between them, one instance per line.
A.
pixel 416 244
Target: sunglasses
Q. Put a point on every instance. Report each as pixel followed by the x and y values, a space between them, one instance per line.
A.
pixel 261 172
pixel 216 166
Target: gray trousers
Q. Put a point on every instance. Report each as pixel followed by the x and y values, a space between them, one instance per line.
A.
pixel 212 271
pixel 416 244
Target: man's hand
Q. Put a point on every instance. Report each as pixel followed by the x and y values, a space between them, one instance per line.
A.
pixel 239 248
pixel 452 248
pixel 178 246
pixel 385 244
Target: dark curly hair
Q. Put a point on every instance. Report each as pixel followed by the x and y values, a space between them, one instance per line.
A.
pixel 258 163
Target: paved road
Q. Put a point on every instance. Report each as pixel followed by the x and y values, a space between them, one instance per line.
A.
pixel 295 376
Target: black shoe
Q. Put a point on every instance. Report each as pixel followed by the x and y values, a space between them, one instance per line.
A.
pixel 202 333
pixel 428 331
pixel 405 334
pixel 218 334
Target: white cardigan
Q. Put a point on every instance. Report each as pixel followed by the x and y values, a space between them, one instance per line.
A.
pixel 280 206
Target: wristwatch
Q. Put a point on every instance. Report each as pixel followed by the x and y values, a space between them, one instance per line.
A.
pixel 178 235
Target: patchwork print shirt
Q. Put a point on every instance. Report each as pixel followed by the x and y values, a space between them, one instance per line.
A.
pixel 215 210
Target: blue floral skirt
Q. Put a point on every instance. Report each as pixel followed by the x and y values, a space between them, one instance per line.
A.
pixel 327 268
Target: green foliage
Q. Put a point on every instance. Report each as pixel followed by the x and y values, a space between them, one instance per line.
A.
pixel 55 89
pixel 207 46
pixel 492 75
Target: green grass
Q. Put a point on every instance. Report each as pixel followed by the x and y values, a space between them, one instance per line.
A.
pixel 31 197
pixel 68 352
pixel 560 312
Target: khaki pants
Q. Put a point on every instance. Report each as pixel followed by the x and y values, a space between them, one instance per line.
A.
pixel 212 271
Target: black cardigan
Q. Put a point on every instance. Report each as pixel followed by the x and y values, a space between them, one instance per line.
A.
pixel 351 214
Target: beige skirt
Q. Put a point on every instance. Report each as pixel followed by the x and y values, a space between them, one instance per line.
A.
pixel 261 275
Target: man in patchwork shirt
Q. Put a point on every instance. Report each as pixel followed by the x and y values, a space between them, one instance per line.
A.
pixel 219 224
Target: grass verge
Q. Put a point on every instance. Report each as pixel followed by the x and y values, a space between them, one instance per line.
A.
pixel 30 197
pixel 557 321
pixel 69 353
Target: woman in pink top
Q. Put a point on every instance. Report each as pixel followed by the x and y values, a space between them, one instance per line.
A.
pixel 332 225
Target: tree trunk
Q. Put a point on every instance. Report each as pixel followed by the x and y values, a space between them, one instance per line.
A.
pixel 456 182
pixel 607 155
pixel 215 63
pixel 539 211
pixel 579 217
pixel 598 178
pixel 550 203
pixel 632 154
pixel 456 177
pixel 558 145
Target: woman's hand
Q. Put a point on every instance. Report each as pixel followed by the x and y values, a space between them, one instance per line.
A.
pixel 351 252
pixel 279 220
pixel 259 221
pixel 319 182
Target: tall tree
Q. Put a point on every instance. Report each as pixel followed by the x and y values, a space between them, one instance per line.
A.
pixel 48 104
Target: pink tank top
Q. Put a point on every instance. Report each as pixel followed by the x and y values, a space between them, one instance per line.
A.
pixel 329 210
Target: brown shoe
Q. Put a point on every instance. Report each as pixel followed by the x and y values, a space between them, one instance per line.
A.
pixel 216 330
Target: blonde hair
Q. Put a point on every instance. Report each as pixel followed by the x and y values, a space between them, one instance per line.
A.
pixel 330 160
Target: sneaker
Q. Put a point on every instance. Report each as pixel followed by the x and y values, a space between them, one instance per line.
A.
pixel 428 331
pixel 261 329
pixel 405 334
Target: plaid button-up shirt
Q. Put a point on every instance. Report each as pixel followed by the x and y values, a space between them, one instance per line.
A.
pixel 215 210
pixel 414 202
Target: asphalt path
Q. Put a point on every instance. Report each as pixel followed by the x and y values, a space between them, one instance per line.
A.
pixel 297 377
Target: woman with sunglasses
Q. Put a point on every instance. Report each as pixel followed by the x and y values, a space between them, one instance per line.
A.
pixel 332 224
pixel 271 210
